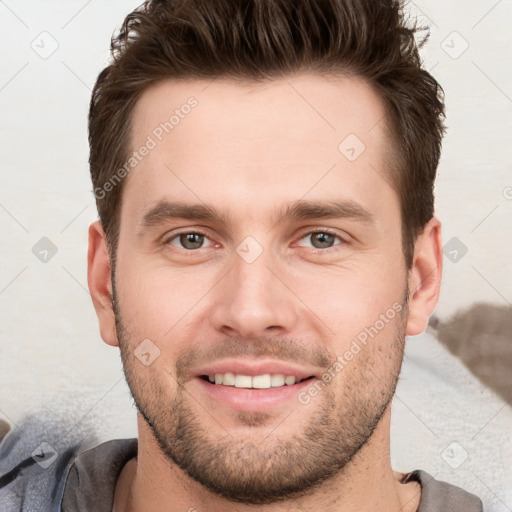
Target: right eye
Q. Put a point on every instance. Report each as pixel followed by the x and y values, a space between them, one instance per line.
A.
pixel 189 241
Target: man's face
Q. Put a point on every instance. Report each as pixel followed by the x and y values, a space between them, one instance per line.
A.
pixel 269 282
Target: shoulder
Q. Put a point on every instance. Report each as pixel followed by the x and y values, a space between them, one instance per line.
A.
pixel 35 458
pixel 442 496
pixel 94 474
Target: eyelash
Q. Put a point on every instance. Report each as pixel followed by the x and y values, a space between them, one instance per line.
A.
pixel 167 241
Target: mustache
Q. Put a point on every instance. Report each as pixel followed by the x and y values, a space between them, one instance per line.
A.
pixel 293 351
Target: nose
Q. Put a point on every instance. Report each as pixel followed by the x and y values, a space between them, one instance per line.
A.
pixel 254 300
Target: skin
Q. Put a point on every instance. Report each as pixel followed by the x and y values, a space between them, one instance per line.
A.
pixel 248 151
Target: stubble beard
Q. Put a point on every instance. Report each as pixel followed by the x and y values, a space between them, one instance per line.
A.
pixel 264 468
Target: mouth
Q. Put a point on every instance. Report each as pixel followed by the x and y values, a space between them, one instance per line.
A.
pixel 253 384
pixel 263 381
pixel 239 392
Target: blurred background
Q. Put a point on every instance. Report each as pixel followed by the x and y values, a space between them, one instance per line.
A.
pixel 52 52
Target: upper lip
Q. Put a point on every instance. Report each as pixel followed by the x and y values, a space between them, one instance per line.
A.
pixel 253 368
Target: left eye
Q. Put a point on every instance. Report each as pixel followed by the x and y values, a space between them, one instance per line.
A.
pixel 321 239
pixel 189 241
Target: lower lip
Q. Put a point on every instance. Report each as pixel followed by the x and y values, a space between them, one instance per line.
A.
pixel 243 399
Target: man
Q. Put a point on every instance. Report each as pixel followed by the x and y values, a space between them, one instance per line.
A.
pixel 264 177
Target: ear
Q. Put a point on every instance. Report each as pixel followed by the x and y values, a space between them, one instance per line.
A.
pixel 99 279
pixel 425 277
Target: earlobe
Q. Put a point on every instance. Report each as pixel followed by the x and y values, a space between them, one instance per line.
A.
pixel 425 277
pixel 99 279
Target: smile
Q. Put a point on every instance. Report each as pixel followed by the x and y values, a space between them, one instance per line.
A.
pixel 263 381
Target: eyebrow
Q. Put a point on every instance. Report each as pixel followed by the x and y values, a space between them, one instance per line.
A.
pixel 299 210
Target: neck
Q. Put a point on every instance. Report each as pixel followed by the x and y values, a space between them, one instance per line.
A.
pixel 368 482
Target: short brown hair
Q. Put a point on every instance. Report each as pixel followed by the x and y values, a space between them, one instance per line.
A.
pixel 263 40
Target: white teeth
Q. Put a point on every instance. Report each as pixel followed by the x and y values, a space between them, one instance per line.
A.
pixel 264 381
pixel 243 381
pixel 261 381
pixel 277 380
pixel 289 380
pixel 228 379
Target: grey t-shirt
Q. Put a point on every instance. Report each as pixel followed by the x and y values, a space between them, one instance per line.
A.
pixel 92 479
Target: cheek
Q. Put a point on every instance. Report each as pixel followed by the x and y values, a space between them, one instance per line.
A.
pixel 352 297
pixel 368 361
pixel 157 301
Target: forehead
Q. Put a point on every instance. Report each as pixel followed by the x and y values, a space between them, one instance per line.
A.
pixel 311 107
pixel 257 143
